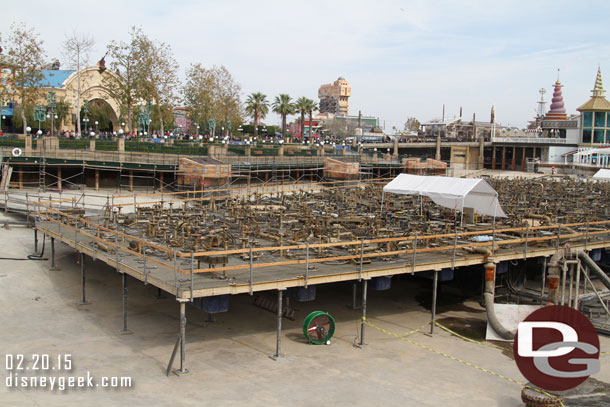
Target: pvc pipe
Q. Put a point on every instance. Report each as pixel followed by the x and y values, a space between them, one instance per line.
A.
pixel 488 295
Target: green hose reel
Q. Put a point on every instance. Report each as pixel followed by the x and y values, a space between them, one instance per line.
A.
pixel 319 327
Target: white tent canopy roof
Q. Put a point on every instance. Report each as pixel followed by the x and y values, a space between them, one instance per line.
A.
pixel 602 174
pixel 454 193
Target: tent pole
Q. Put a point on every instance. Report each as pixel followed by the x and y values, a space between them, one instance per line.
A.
pixel 462 214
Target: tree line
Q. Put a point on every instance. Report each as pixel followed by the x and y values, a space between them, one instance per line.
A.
pixel 141 72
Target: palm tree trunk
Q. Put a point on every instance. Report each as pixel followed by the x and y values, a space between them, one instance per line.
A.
pixel 283 125
pixel 255 122
pixel 302 124
pixel 162 128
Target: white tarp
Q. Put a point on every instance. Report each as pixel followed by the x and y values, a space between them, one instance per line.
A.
pixel 454 193
pixel 602 174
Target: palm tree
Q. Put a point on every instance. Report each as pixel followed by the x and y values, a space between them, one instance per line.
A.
pixel 257 105
pixel 283 106
pixel 311 106
pixel 301 106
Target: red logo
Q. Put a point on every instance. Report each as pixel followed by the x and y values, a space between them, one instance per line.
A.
pixel 556 348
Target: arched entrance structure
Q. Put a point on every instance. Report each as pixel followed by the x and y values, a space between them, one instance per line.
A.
pixel 92 89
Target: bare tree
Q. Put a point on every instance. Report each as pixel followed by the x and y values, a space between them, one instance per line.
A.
pixel 227 105
pixel 161 83
pixel 76 49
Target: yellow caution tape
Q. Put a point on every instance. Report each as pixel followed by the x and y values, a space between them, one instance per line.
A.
pixel 491 345
pixel 364 321
pixel 415 330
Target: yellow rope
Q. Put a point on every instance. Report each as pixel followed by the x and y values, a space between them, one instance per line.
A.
pixel 415 330
pixel 364 321
pixel 491 345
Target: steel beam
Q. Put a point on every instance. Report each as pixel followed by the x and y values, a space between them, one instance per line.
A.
pixel 124 331
pixel 280 312
pixel 364 289
pixel 434 295
pixel 82 271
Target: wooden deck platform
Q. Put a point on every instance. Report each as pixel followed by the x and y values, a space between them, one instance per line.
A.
pixel 179 274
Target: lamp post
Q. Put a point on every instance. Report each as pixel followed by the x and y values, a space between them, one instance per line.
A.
pixel 52 114
pixel 86 121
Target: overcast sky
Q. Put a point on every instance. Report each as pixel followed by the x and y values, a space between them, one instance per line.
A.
pixel 402 58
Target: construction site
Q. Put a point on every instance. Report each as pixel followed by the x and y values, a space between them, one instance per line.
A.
pixel 290 234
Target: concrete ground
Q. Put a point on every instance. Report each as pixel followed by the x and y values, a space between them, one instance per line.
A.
pixel 229 359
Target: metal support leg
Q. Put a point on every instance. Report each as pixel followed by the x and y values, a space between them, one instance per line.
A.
pixel 280 311
pixel 53 267
pixel 354 296
pixel 35 240
pixel 434 290
pixel 364 289
pixel 82 271
pixel 124 331
pixel 182 369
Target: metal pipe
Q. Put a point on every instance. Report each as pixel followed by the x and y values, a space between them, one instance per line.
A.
pixel 554 277
pixel 564 271
pixel 570 287
pixel 35 240
pixel 364 289
pixel 124 331
pixel 434 291
pixel 601 300
pixel 182 369
pixel 584 258
pixel 82 270
pixel 52 253
pixel 577 287
pixel 280 311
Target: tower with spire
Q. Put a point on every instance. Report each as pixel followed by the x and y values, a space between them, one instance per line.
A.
pixel 558 110
pixel 595 116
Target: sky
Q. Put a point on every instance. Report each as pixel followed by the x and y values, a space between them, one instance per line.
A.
pixel 402 58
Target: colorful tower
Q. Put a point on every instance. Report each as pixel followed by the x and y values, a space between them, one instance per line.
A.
pixel 558 110
pixel 595 116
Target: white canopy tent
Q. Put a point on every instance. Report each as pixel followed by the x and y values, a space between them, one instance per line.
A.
pixel 602 174
pixel 453 193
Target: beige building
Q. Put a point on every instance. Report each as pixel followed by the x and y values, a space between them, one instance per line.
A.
pixel 65 84
pixel 334 97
